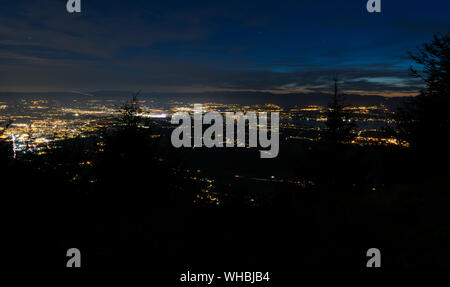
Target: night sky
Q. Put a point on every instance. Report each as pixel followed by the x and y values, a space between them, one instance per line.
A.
pixel 194 46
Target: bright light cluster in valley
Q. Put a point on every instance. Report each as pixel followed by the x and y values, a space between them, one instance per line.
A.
pixel 37 123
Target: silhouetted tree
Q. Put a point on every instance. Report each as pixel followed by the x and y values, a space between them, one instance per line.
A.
pixel 5 147
pixel 129 113
pixel 6 126
pixel 130 170
pixel 340 126
pixel 128 137
pixel 423 120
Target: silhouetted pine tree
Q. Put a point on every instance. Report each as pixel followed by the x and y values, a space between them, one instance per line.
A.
pixel 340 126
pixel 424 120
pixel 130 169
pixel 129 113
pixel 5 147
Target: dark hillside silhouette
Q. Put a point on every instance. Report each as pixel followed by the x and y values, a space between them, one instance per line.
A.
pixel 127 198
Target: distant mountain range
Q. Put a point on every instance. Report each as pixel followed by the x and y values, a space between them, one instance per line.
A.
pixel 219 97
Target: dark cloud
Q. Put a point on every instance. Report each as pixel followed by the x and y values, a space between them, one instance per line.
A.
pixel 207 45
